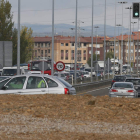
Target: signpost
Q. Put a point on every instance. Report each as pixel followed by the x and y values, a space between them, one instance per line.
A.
pixel 60 66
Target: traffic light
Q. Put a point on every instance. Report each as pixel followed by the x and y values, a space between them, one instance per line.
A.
pixel 136 10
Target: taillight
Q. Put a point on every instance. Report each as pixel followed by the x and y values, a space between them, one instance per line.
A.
pixel 113 81
pixel 130 91
pixel 66 91
pixel 114 90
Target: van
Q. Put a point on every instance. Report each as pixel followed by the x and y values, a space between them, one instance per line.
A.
pixel 11 71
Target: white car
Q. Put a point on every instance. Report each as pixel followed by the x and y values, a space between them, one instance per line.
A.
pixel 36 84
pixel 86 74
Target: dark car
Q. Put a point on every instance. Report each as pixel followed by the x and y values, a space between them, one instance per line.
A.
pixel 136 83
pixel 118 78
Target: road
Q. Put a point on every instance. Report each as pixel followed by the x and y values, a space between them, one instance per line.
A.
pixel 97 92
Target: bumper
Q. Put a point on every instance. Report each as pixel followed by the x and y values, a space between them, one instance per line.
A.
pixel 127 96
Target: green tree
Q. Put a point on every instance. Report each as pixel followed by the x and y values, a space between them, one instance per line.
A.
pixel 109 55
pixel 6 23
pixel 26 45
pixel 94 59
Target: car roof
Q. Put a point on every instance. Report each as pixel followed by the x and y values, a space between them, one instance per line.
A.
pixel 124 83
pixel 12 67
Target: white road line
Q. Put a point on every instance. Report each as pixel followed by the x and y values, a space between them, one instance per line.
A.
pixel 97 89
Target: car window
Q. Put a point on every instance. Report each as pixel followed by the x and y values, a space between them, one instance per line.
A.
pixel 16 83
pixel 119 78
pixel 35 82
pixel 9 72
pixel 123 85
pixel 2 78
pixel 134 81
pixel 4 82
pixel 64 82
pixel 50 82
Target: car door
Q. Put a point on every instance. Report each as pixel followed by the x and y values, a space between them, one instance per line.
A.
pixel 54 87
pixel 13 86
pixel 34 86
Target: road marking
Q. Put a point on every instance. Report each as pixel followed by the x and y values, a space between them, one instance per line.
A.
pixel 97 89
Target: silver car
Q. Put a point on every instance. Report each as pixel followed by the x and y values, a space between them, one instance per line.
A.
pixel 120 89
pixel 36 84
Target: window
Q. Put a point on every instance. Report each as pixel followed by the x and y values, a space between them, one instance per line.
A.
pixel 67 44
pixel 98 45
pixel 48 50
pixel 89 52
pixel 38 50
pixel 41 44
pixel 35 53
pixel 62 44
pixel 84 55
pixel 16 83
pixel 66 55
pixel 51 83
pixel 85 44
pixel 112 43
pixel 62 54
pixel 79 55
pixel 41 53
pixel 72 55
pixel 45 44
pixel 35 82
pixel 72 44
pixel 45 53
pixel 97 52
pixel 4 82
pixel 131 51
pixel 35 44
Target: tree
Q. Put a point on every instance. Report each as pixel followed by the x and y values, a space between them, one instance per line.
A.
pixel 94 59
pixel 109 55
pixel 26 45
pixel 6 23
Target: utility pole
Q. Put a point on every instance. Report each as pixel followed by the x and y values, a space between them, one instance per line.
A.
pixel 18 49
pixel 122 37
pixel 104 39
pixel 133 42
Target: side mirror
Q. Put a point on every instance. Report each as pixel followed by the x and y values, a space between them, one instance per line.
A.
pixel 4 88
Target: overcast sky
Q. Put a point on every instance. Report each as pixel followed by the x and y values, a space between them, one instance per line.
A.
pixel 40 12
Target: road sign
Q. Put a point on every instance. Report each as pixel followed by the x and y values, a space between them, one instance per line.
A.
pixel 60 66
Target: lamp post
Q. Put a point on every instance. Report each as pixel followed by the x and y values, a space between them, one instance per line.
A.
pixel 114 41
pixel 123 2
pixel 130 40
pixel 18 49
pixel 133 42
pixel 96 52
pixel 137 45
pixel 104 38
pixel 75 67
pixel 92 41
pixel 118 25
pixel 52 62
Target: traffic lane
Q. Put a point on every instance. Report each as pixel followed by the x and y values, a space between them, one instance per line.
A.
pixel 97 92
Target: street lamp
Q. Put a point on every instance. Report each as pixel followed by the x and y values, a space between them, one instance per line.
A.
pixel 104 38
pixel 96 51
pixel 133 41
pixel 123 2
pixel 118 25
pixel 92 41
pixel 130 39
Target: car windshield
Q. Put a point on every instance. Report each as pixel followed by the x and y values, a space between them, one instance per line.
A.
pixel 2 78
pixel 119 78
pixel 64 82
pixel 134 81
pixel 123 85
pixel 9 72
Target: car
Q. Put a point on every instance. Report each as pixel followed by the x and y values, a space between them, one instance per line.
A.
pixel 4 81
pixel 136 83
pixel 86 74
pixel 11 71
pixel 118 78
pixel 36 84
pixel 120 89
pixel 62 75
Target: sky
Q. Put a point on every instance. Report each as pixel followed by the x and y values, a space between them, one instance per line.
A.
pixel 40 12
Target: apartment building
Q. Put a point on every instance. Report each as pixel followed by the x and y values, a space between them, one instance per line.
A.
pixel 64 48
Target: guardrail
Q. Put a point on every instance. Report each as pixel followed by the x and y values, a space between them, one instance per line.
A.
pixel 92 85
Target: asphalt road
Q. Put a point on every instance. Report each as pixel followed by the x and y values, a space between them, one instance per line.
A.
pixel 97 92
